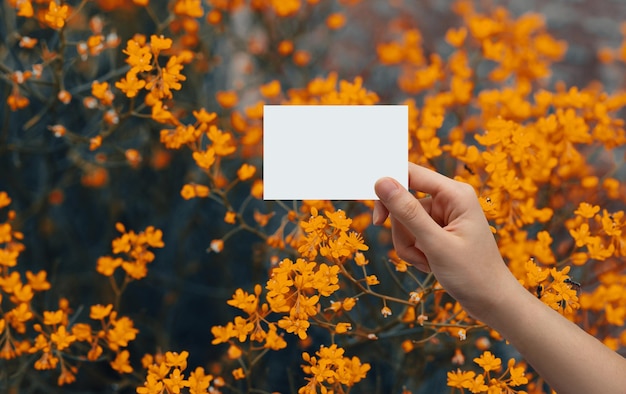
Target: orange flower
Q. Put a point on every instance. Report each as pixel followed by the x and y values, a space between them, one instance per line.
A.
pixel 107 265
pixel 160 113
pixel 169 79
pixel 390 53
pixel 246 171
pixel 360 260
pixel 214 17
pixel 58 130
pixel 582 235
pixel 102 92
pixel 67 376
pixel 301 57
pixel 121 363
pixel 122 332
pixel 151 385
pixel 99 312
pixel 95 177
pixel 257 189
pixel 239 374
pixel 385 311
pixel 95 142
pixel 204 159
pixel 159 43
pixel 111 117
pixel 456 37
pixel 133 157
pixel 217 245
pixel 8 258
pixel 61 338
pixel 222 142
pixel 5 200
pixel 90 102
pixel 227 99
pixel 612 187
pixel 139 57
pixel 255 111
pixel 56 15
pixel 203 116
pixel 271 89
pixel 488 362
pixel 605 55
pixel 5 233
pixel 273 340
pixel 191 8
pixel 64 96
pixel 95 44
pixel 17 101
pixel 52 318
pixel 38 281
pixel 285 8
pixel 27 42
pixel 22 294
pixel 285 47
pixel 25 9
pixel 335 21
pixel 177 360
pixel 589 182
pixel 21 313
pixel 191 190
pixel 47 361
pixel 10 282
pixel 296 326
pixel 586 210
pixel 81 331
pixel 230 217
pixel 130 85
pixel 372 280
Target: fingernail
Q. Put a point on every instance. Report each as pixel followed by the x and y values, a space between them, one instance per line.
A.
pixel 376 215
pixel 385 188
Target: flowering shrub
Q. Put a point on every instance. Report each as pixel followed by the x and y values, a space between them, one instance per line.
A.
pixel 145 117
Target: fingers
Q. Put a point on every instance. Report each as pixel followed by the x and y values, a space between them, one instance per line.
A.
pixel 404 243
pixel 380 213
pixel 405 208
pixel 427 181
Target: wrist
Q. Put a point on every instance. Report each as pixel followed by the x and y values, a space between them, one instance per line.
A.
pixel 498 300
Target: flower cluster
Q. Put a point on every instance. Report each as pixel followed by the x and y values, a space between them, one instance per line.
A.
pixel 146 73
pixel 135 249
pixel 600 238
pixel 56 336
pixel 58 341
pixel 330 236
pixel 492 379
pixel 17 293
pixel 561 293
pixel 166 375
pixel 331 368
pixel 294 303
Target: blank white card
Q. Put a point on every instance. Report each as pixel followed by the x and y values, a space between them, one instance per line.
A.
pixel 332 152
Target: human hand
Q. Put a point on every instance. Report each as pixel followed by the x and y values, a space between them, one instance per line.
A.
pixel 446 233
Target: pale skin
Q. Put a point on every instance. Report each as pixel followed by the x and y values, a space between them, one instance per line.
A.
pixel 448 234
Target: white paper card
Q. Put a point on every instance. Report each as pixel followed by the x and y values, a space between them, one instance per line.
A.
pixel 332 152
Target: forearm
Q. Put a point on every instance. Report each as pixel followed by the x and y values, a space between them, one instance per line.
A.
pixel 568 358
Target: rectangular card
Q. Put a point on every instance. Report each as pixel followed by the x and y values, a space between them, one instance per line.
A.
pixel 332 152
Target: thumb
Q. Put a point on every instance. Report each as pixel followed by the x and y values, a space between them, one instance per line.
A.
pixel 408 210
